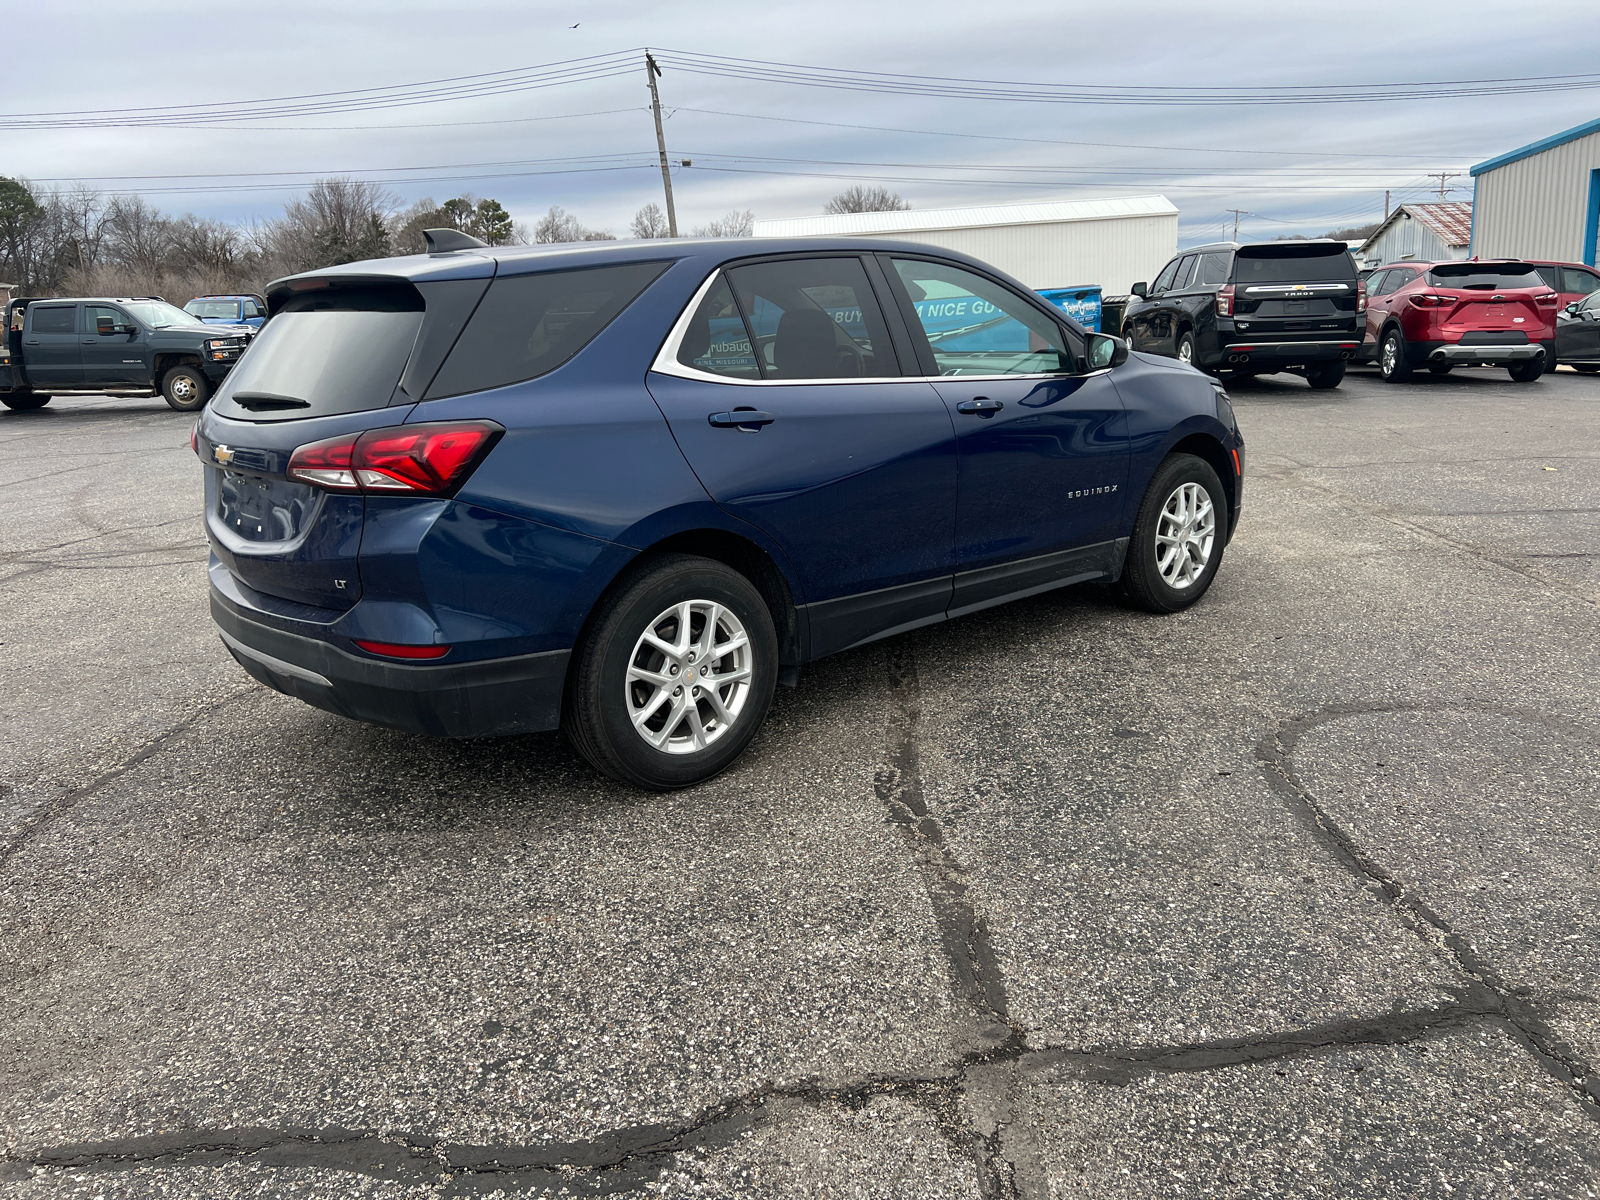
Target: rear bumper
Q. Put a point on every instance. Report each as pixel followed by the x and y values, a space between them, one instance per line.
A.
pixel 1452 353
pixel 1281 354
pixel 490 698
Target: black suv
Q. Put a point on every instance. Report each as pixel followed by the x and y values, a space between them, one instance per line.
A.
pixel 132 345
pixel 1254 310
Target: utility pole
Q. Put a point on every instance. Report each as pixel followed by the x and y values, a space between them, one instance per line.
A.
pixel 1237 213
pixel 650 73
pixel 1385 204
pixel 1443 177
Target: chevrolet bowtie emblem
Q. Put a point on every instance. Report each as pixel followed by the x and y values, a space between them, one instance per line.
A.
pixel 223 455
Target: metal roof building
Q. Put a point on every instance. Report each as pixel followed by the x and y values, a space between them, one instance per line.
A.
pixel 1067 243
pixel 1542 201
pixel 1421 233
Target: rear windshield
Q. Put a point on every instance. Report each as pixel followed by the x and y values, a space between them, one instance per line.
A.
pixel 1293 263
pixel 334 351
pixel 528 325
pixel 1484 276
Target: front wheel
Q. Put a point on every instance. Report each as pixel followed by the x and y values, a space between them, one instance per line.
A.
pixel 1177 538
pixel 1526 371
pixel 1323 376
pixel 186 389
pixel 675 675
pixel 1393 365
pixel 24 401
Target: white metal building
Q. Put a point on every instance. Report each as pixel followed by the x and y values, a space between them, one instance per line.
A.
pixel 1420 233
pixel 1066 243
pixel 1542 201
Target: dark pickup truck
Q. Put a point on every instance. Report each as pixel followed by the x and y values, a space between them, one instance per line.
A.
pixel 127 346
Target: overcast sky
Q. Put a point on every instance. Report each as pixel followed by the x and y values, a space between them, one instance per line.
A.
pixel 1303 168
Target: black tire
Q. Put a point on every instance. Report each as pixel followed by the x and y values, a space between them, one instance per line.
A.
pixel 186 388
pixel 1527 371
pixel 1184 350
pixel 1586 368
pixel 1324 376
pixel 24 401
pixel 1127 336
pixel 1440 368
pixel 1142 584
pixel 1393 365
pixel 596 715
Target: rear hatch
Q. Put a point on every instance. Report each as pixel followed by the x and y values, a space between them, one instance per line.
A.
pixel 1295 291
pixel 340 355
pixel 1487 304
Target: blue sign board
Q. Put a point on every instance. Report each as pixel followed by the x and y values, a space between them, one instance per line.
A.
pixel 1082 304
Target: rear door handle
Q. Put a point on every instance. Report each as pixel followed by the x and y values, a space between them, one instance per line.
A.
pixel 749 420
pixel 91 341
pixel 981 406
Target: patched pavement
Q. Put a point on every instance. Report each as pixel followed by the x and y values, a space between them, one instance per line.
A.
pixel 1293 894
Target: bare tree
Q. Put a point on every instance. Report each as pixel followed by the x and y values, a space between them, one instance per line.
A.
pixel 738 223
pixel 861 198
pixel 649 222
pixel 558 225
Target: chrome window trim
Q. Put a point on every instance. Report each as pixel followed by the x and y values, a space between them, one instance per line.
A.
pixel 666 360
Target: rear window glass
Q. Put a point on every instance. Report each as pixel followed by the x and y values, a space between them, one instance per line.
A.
pixel 1481 276
pixel 333 351
pixel 53 320
pixel 716 340
pixel 1292 263
pixel 528 325
pixel 1213 268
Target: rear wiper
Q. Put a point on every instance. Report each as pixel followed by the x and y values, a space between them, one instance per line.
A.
pixel 262 401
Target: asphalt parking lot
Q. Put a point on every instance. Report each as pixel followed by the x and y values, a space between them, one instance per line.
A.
pixel 1293 894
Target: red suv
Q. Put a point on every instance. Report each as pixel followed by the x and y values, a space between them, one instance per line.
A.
pixel 1573 281
pixel 1460 314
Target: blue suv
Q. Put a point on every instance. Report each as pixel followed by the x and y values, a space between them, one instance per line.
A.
pixel 627 488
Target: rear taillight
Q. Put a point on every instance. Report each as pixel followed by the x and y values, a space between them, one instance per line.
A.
pixel 1361 296
pixel 1429 301
pixel 1547 299
pixel 1225 300
pixel 413 460
pixel 194 439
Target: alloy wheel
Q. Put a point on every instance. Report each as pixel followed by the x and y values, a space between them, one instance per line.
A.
pixel 1391 354
pixel 689 676
pixel 1185 350
pixel 1185 535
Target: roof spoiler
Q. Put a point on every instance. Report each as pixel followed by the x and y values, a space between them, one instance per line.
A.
pixel 442 241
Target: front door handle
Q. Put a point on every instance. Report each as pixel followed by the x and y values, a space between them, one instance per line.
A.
pixel 91 341
pixel 980 406
pixel 749 420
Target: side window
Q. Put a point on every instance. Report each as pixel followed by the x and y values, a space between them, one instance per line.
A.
pixel 1377 283
pixel 1552 278
pixel 1399 277
pixel 1164 280
pixel 60 318
pixel 814 318
pixel 976 327
pixel 100 319
pixel 1214 268
pixel 252 309
pixel 1582 282
pixel 528 325
pixel 1185 271
pixel 717 340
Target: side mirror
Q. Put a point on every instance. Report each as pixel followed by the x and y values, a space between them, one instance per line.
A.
pixel 1572 308
pixel 1106 351
pixel 105 326
pixel 1141 290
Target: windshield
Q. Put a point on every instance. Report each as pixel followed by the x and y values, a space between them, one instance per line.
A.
pixel 1291 263
pixel 158 314
pixel 1484 277
pixel 228 309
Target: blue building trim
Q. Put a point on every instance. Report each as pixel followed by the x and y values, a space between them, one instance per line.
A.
pixel 1528 151
pixel 1591 220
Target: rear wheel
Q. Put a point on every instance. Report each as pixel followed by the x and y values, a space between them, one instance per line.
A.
pixel 1526 371
pixel 1440 368
pixel 186 388
pixel 1186 347
pixel 1177 539
pixel 1127 336
pixel 1393 365
pixel 1325 375
pixel 24 401
pixel 675 675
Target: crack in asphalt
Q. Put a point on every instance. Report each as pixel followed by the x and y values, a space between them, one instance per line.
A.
pixel 1510 1003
